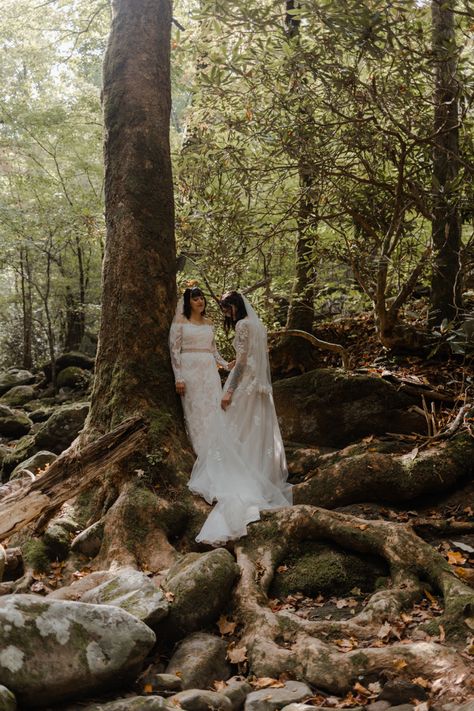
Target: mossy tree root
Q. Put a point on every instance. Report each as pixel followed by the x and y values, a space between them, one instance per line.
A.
pixel 347 478
pixel 280 641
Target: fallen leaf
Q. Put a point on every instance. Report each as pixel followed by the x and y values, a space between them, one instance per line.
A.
pixel 236 655
pixel 282 569
pixel 399 664
pixel 361 689
pixel 455 558
pixel 442 633
pixel 267 681
pixel 226 626
pixel 342 603
pixel 375 687
pixel 219 685
pixel 148 689
pixel 169 596
pixel 421 681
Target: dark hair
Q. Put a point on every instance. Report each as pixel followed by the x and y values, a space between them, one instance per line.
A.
pixel 191 294
pixel 229 299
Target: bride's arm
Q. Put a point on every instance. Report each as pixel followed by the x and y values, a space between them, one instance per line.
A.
pixel 175 342
pixel 241 352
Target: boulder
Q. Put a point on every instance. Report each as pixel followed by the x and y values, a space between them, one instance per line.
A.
pixel 401 691
pixel 201 584
pixel 34 464
pixel 199 660
pixel 57 433
pixel 13 377
pixel 199 700
pixel 73 377
pixel 53 650
pixel 132 703
pixel 271 699
pixel 237 689
pixel 7 700
pixel 134 592
pixel 89 541
pixel 331 408
pixel 13 423
pixel 66 360
pixel 18 395
pixel 40 414
pixel 167 683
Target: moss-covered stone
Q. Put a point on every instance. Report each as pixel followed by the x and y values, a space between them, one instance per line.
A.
pixel 318 569
pixel 35 555
pixel 13 423
pixel 201 585
pixel 13 377
pixel 73 377
pixel 19 395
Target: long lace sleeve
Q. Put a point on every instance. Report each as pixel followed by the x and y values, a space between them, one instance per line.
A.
pixel 175 341
pixel 221 362
pixel 241 353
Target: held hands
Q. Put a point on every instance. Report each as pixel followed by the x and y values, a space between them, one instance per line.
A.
pixel 180 387
pixel 230 365
pixel 226 400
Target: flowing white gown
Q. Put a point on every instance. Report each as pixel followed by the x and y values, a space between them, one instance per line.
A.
pixel 242 465
pixel 194 358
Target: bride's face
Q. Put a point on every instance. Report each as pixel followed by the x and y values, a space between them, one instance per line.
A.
pixel 197 305
pixel 230 311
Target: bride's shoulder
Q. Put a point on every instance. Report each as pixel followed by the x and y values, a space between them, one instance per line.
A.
pixel 208 321
pixel 242 325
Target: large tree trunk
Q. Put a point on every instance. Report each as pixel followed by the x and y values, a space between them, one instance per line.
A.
pixel 133 375
pixel 446 224
pixel 27 308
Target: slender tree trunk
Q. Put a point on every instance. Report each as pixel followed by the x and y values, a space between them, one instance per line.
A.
pixel 27 308
pixel 301 312
pixel 446 224
pixel 133 372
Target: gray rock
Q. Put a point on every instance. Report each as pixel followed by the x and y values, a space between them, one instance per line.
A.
pixel 7 699
pixel 15 376
pixel 52 650
pixel 65 360
pixel 401 691
pixel 468 706
pixel 303 707
pixel 270 699
pixel 134 592
pixel 40 414
pixel 89 541
pixel 18 395
pixel 201 585
pixel 35 463
pixel 237 689
pixel 200 659
pixel 13 423
pixel 57 433
pixel 402 707
pixel 379 706
pixel 133 703
pixel 167 682
pixel 361 405
pixel 73 377
pixel 57 539
pixel 199 700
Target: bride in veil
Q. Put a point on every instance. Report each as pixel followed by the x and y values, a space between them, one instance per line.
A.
pixel 243 466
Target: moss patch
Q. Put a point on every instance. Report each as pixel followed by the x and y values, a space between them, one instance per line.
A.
pixel 319 569
pixel 35 555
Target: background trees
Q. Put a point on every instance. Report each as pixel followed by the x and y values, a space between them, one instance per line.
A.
pixel 319 151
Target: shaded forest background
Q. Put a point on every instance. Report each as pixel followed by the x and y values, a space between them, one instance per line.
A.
pixel 322 158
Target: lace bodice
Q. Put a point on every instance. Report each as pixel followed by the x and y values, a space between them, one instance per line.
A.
pixel 186 336
pixel 241 345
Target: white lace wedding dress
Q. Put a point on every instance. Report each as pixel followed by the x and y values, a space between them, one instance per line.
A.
pixel 242 465
pixel 194 358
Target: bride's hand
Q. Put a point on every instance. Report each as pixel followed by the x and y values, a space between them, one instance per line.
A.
pixel 180 387
pixel 230 365
pixel 226 400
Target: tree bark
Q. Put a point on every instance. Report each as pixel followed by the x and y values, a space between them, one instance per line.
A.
pixel 133 373
pixel 27 308
pixel 446 223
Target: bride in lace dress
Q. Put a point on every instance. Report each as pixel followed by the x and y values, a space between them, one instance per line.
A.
pixel 242 465
pixel 194 358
